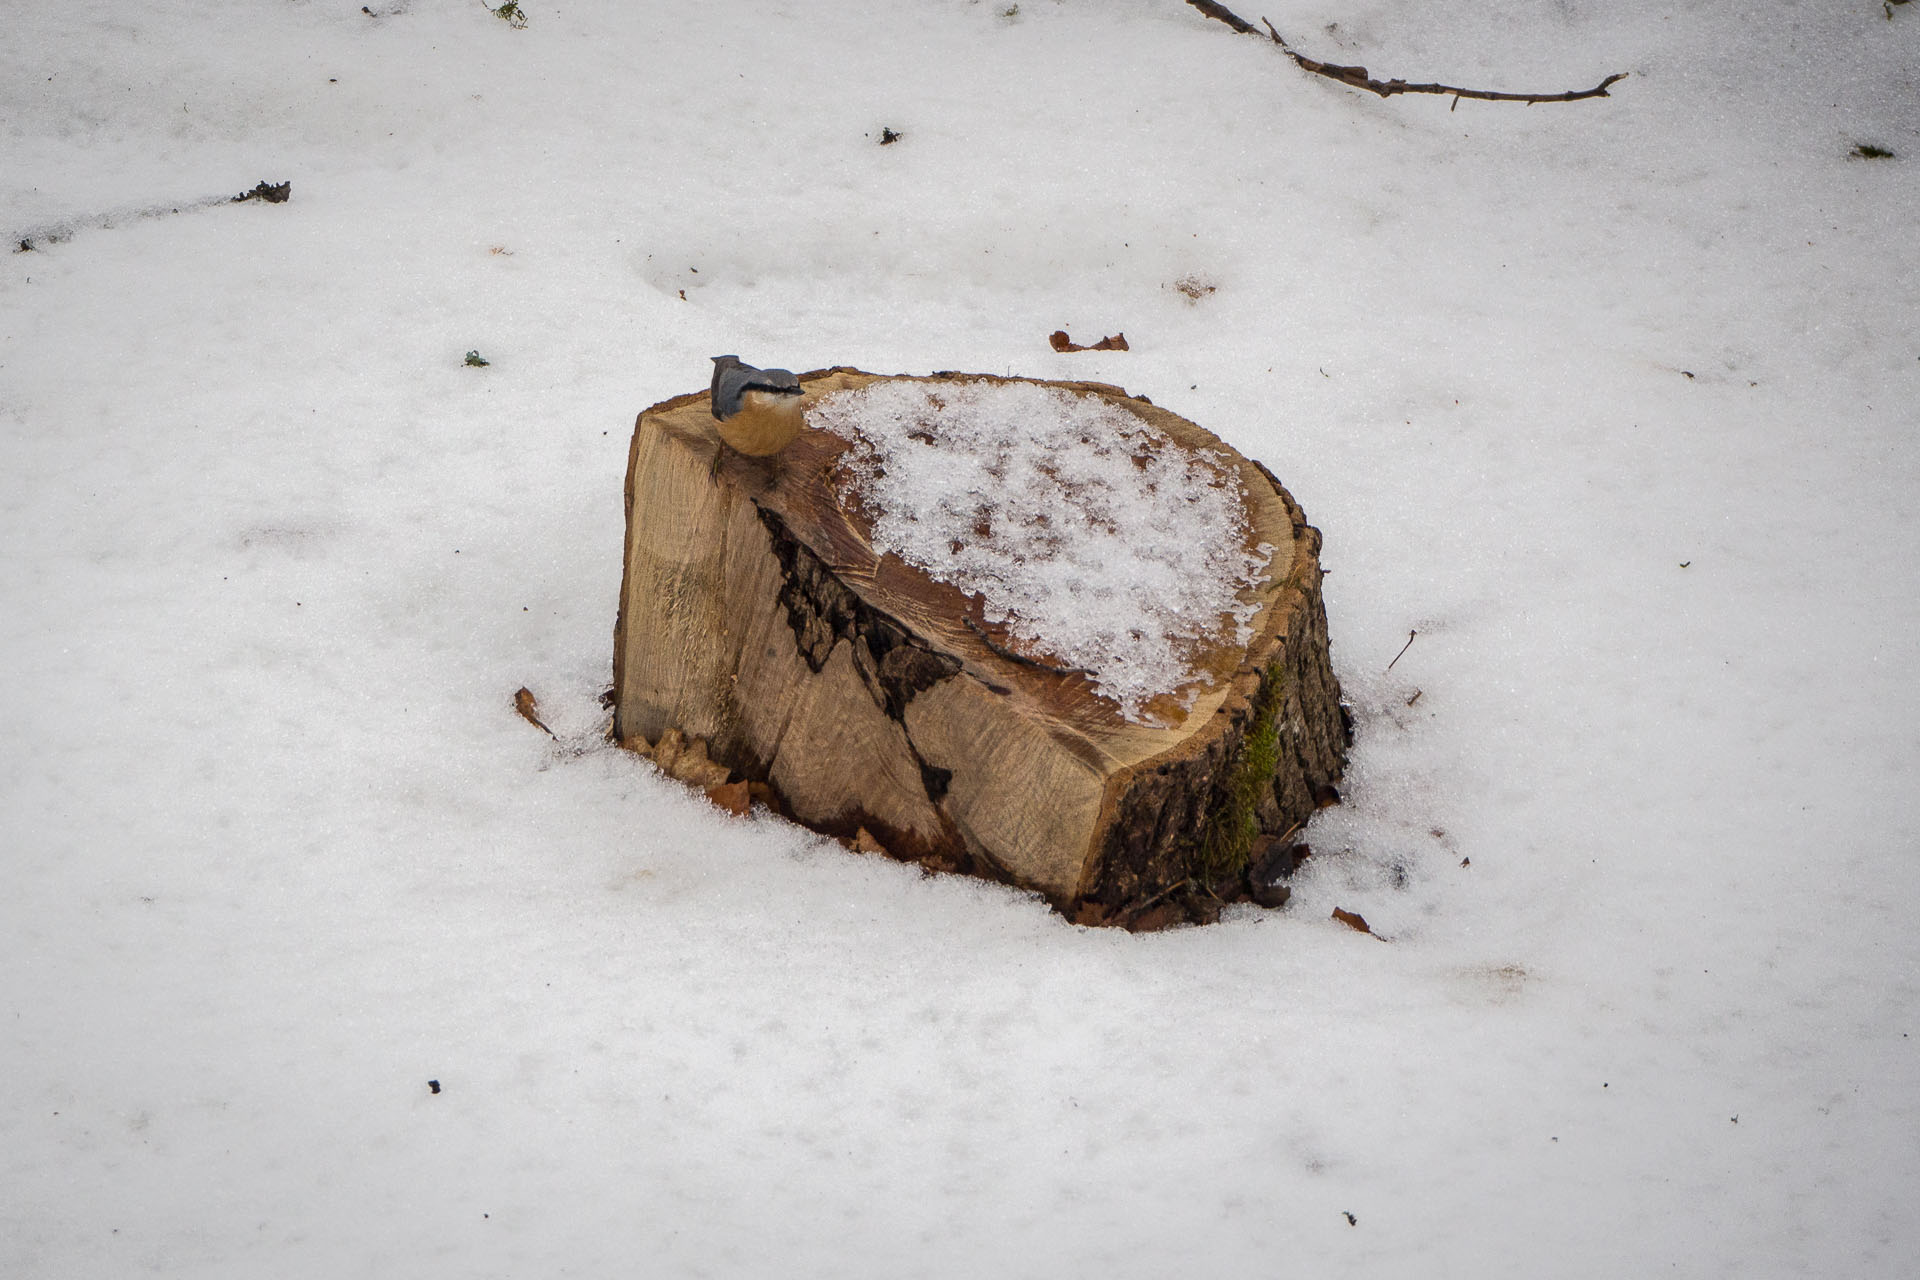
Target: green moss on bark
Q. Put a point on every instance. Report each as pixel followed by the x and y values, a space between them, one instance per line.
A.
pixel 1234 823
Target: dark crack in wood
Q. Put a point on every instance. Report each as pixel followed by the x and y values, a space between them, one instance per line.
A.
pixel 1021 658
pixel 822 610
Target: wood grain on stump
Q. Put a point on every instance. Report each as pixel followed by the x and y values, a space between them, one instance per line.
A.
pixel 756 618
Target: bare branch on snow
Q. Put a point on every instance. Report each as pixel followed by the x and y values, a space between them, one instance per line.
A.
pixel 1357 77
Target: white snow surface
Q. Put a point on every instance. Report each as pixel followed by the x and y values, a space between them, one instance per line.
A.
pixel 1100 543
pixel 1615 403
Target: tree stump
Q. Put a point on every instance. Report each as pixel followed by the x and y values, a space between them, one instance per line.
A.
pixel 868 701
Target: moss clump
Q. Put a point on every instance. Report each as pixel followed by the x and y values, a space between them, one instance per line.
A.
pixel 1235 822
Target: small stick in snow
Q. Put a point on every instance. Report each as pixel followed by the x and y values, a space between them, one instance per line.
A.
pixel 1226 15
pixel 1403 651
pixel 1357 77
pixel 28 239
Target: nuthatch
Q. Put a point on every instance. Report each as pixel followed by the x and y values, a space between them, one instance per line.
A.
pixel 758 410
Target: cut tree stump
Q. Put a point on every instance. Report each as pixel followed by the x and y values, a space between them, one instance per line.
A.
pixel 872 703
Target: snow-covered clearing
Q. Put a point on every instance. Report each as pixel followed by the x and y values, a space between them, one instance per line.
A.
pixel 1616 403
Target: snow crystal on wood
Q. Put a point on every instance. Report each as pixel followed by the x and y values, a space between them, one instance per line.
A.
pixel 1100 544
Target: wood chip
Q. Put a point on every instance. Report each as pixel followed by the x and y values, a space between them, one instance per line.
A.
pixel 686 759
pixel 1061 342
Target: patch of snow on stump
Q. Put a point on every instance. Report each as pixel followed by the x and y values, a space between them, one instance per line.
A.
pixel 1099 543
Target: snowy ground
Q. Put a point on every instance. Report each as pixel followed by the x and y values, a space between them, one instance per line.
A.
pixel 1616 402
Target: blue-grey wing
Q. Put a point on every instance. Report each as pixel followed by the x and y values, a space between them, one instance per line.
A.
pixel 729 380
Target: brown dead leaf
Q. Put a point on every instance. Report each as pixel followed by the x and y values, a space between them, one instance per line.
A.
pixel 529 708
pixel 1155 918
pixel 734 797
pixel 1268 868
pixel 1061 342
pixel 1091 913
pixel 863 842
pixel 1353 920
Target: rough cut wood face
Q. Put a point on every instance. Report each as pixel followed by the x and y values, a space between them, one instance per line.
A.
pixel 754 615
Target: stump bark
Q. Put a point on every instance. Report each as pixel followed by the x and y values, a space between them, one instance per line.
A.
pixel 869 702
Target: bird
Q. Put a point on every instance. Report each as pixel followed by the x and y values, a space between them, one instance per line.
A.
pixel 757 410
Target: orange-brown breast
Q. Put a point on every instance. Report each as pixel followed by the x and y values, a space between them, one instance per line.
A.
pixel 766 424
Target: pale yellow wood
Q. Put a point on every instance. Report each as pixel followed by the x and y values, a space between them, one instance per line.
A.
pixel 1019 787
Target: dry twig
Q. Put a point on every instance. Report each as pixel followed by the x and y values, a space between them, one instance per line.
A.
pixel 1403 650
pixel 1357 77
